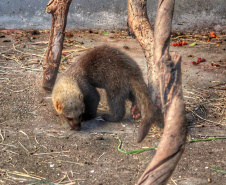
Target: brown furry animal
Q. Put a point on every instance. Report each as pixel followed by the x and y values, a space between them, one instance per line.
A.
pixel 76 98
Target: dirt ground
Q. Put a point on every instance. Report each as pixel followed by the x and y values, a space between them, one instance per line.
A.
pixel 37 147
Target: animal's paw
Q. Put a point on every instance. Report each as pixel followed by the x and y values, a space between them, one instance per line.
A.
pixel 136 112
pixel 99 118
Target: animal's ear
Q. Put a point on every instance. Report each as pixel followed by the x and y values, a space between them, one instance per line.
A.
pixel 58 106
pixel 81 97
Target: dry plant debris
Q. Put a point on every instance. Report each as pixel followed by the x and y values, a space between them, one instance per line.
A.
pixel 206 107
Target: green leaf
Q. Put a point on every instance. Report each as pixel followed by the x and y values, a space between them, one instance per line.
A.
pixel 193 44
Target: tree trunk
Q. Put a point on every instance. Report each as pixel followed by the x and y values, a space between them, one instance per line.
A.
pixel 138 24
pixel 59 10
pixel 166 71
pixel 173 139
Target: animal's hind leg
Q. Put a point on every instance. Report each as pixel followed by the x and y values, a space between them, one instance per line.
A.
pixel 135 111
pixel 117 108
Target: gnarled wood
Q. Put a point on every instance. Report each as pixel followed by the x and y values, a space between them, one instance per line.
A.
pixel 172 143
pixel 166 71
pixel 59 10
pixel 138 24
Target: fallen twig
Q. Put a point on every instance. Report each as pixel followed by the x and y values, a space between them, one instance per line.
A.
pixel 11 31
pixel 21 131
pixel 81 164
pixel 219 88
pixel 217 85
pixel 32 54
pixel 8 145
pixel 74 50
pixel 218 65
pixel 204 94
pixel 2 136
pixel 51 153
pixel 173 181
pixel 37 43
pixel 21 66
pixel 21 174
pixel 23 147
pixel 204 118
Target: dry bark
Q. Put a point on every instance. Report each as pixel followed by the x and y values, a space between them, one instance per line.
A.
pixel 167 73
pixel 138 24
pixel 172 143
pixel 59 10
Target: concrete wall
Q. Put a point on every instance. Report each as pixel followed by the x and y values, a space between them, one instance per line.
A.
pixel 111 14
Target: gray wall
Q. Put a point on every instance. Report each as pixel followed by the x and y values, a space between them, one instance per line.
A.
pixel 111 14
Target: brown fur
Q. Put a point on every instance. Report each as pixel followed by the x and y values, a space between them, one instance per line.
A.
pixel 75 95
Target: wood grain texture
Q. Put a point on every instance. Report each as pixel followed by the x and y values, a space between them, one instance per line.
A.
pixel 164 80
pixel 59 10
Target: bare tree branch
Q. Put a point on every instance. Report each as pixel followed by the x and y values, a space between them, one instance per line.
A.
pixel 172 142
pixel 166 71
pixel 59 10
pixel 139 25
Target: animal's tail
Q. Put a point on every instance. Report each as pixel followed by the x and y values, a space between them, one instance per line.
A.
pixel 148 111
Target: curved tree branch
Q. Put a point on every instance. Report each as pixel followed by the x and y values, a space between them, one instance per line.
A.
pixel 139 25
pixel 166 71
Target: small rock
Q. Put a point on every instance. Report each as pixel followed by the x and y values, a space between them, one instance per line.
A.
pixel 90 31
pixel 35 32
pixel 190 56
pixel 6 40
pixel 88 163
pixel 219 41
pixel 209 180
pixel 99 138
pixel 218 28
pixel 126 47
pixel 196 36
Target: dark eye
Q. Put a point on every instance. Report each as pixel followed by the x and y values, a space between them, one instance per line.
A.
pixel 69 119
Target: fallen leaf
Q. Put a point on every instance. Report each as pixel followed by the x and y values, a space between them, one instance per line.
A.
pixel 217 65
pixel 180 43
pixel 193 44
pixel 199 60
pixel 212 34
pixel 69 34
pixel 69 41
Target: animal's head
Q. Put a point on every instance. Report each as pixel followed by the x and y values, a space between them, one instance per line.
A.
pixel 68 102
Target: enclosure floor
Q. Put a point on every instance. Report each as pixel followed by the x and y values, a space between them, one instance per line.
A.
pixel 36 146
